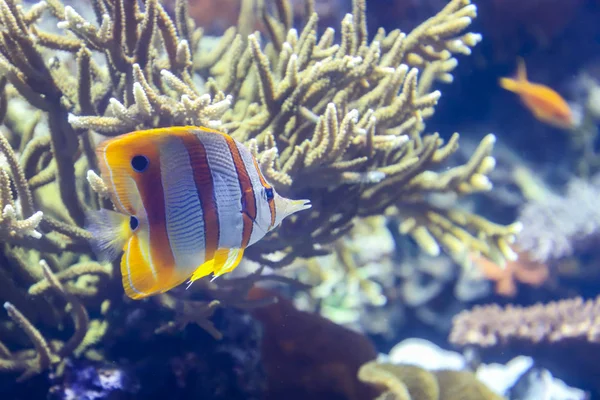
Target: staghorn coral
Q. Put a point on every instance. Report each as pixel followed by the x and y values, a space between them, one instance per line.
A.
pixel 45 354
pixel 364 142
pixel 329 120
pixel 409 382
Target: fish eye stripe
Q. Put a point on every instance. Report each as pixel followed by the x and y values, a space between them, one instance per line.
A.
pixel 134 223
pixel 139 163
pixel 269 193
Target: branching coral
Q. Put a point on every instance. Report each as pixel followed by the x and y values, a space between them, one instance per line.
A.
pixel 45 353
pixel 340 123
pixel 492 325
pixel 327 119
pixel 563 335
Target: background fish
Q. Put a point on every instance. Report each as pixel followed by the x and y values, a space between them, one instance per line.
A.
pixel 189 201
pixel 545 103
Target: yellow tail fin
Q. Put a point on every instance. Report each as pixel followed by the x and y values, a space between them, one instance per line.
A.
pixel 509 84
pixel 514 84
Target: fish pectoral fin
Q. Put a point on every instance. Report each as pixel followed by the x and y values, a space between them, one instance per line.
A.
pixel 110 231
pixel 540 113
pixel 139 278
pixel 224 261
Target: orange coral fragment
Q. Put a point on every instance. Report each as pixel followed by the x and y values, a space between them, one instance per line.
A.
pixel 523 270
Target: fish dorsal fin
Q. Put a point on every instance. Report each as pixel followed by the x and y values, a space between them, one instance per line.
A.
pixel 521 70
pixel 225 260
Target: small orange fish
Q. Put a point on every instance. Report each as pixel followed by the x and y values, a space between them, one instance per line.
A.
pixel 547 105
pixel 189 201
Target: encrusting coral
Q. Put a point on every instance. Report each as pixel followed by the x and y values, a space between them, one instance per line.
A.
pixel 410 382
pixel 339 123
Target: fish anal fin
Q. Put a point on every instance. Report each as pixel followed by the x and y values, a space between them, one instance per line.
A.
pixel 203 270
pixel 138 276
pixel 224 261
pixel 227 259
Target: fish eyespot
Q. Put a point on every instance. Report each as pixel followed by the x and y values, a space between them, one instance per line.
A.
pixel 139 163
pixel 269 193
pixel 134 223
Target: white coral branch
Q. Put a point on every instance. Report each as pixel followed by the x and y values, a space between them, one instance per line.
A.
pixel 11 223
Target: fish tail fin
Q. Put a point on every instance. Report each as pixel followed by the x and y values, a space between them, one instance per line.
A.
pixel 521 70
pixel 110 231
pixel 514 84
pixel 510 84
pixel 224 261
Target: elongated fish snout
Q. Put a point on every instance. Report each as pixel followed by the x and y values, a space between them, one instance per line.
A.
pixel 300 205
pixel 295 206
pixel 287 207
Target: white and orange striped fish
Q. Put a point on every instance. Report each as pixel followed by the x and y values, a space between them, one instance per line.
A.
pixel 189 201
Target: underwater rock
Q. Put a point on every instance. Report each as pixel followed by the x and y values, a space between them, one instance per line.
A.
pixel 83 380
pixel 309 357
pixel 521 379
pixel 191 363
pixel 538 383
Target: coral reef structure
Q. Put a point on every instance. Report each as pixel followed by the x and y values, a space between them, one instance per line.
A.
pixel 342 124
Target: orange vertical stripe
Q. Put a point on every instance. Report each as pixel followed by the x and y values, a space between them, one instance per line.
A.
pixel 248 198
pixel 149 184
pixel 266 185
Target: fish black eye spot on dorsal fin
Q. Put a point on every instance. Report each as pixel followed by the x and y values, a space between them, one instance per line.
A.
pixel 139 163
